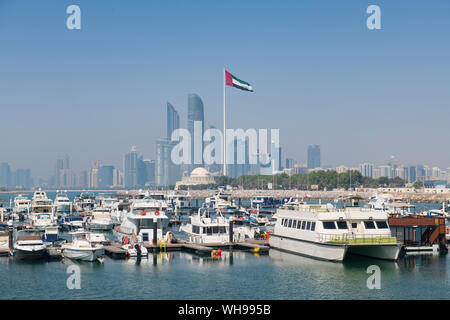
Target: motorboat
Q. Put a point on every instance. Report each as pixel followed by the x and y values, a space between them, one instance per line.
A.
pixel 62 204
pixel 41 210
pixel 29 245
pixel 207 227
pixel 84 202
pixel 146 217
pixel 81 248
pixel 22 205
pixel 51 237
pixel 222 200
pixel 326 232
pixel 72 222
pixel 100 220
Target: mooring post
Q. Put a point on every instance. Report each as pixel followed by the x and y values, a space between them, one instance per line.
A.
pixel 10 239
pixel 155 231
pixel 231 234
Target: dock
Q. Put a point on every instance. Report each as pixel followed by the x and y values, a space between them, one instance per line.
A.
pixel 115 251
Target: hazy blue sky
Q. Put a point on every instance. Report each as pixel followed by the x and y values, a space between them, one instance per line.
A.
pixel 318 73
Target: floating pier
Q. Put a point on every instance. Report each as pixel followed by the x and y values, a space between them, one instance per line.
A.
pixel 418 233
pixel 114 251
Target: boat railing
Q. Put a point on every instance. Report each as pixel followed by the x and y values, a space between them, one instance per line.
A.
pixel 352 238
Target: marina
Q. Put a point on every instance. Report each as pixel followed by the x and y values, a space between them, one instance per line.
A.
pixel 143 239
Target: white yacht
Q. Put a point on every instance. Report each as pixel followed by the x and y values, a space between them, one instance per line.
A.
pixel 62 204
pixel 139 222
pixel 81 248
pixel 29 245
pixel 207 228
pixel 84 202
pixel 325 232
pixel 41 205
pixel 180 200
pixel 221 200
pixel 22 204
pixel 100 220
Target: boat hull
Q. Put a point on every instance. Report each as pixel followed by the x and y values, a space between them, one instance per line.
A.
pixel 84 255
pixel 379 251
pixel 310 249
pixel 30 255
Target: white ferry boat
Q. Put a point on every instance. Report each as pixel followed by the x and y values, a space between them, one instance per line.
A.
pixel 81 248
pixel 139 222
pixel 325 232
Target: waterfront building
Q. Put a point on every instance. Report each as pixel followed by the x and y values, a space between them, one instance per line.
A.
pixel 195 113
pixel 21 178
pixel 385 171
pixel 313 156
pixel 149 167
pixel 366 169
pixel 117 178
pixel 131 168
pixel 198 176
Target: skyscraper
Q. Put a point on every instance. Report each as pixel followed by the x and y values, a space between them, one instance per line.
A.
pixel 195 113
pixel 130 168
pixel 313 156
pixel 5 175
pixel 275 157
pixel 173 120
pixel 366 169
pixel 166 172
pixel 105 176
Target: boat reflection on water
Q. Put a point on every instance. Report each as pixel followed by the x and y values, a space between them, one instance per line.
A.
pixel 413 262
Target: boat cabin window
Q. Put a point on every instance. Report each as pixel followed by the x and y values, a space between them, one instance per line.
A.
pixel 299 224
pixel 196 229
pixel 354 225
pixel 308 225
pixel 341 225
pixel 146 223
pixel 145 237
pixel 369 224
pixel 285 222
pixel 294 224
pixel 290 223
pixel 382 225
pixel 313 226
pixel 303 225
pixel 328 225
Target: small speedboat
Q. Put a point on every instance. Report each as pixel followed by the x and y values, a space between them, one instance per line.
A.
pixel 135 250
pixel 29 245
pixel 81 248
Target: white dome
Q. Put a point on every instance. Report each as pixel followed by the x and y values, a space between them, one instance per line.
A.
pixel 200 172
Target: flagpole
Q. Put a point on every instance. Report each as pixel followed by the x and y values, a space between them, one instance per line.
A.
pixel 224 129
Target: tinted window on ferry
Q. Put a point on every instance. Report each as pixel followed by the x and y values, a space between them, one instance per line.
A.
pixel 313 226
pixel 290 223
pixel 294 224
pixel 382 225
pixel 341 224
pixel 299 224
pixel 369 224
pixel 308 225
pixel 329 225
pixel 285 222
pixel 303 225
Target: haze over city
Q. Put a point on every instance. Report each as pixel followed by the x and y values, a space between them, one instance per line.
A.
pixel 319 75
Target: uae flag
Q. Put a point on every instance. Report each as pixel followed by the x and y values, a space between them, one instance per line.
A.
pixel 232 81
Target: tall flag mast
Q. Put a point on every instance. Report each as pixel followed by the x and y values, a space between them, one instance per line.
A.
pixel 232 81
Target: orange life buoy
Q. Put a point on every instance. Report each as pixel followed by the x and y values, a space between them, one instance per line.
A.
pixel 143 212
pixel 447 230
pixel 156 213
pixel 125 240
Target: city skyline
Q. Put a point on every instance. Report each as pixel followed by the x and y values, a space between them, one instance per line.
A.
pixel 344 87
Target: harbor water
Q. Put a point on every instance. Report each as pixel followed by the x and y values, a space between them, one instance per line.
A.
pixel 235 275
